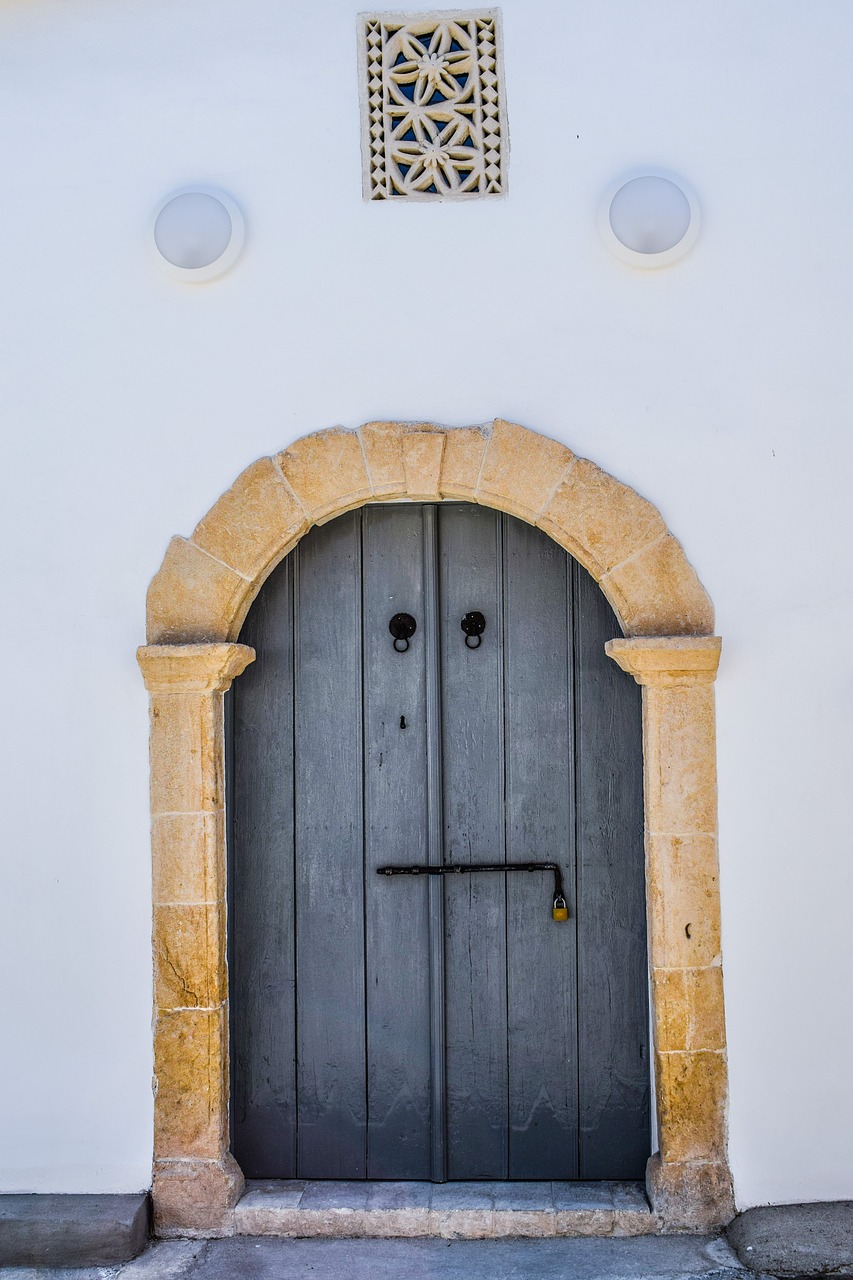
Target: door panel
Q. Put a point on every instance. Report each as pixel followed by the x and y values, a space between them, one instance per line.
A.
pixel 613 971
pixel 330 1009
pixel 474 905
pixel 262 957
pixel 542 1039
pixel 415 1027
pixel 398 1024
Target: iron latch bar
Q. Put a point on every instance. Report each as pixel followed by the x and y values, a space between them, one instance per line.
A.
pixel 462 868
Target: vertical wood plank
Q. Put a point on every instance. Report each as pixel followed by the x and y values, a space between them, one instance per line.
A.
pixel 435 849
pixel 330 1022
pixel 541 954
pixel 475 905
pixel 396 831
pixel 262 966
pixel 613 969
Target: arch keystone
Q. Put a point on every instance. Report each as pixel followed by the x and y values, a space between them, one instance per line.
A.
pixel 383 449
pixel 422 456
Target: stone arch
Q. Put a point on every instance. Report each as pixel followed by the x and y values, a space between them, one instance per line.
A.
pixel 196 606
pixel 207 582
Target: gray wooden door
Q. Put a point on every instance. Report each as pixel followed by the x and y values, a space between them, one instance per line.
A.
pixel 434 1027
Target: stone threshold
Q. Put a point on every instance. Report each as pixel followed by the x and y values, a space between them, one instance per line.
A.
pixel 450 1210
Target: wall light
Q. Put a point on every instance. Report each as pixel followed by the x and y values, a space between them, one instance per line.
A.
pixel 649 220
pixel 198 233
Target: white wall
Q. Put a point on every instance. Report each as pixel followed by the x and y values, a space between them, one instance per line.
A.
pixel 719 388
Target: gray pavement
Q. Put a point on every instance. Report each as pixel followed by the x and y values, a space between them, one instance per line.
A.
pixel 262 1258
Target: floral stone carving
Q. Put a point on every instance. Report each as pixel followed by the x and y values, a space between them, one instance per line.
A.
pixel 433 120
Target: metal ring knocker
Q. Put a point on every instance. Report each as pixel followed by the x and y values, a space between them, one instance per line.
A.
pixel 402 627
pixel 473 624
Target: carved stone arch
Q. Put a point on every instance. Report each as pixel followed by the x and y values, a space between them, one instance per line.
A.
pixel 196 606
pixel 206 583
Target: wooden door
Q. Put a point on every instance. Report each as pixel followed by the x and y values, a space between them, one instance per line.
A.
pixel 435 1027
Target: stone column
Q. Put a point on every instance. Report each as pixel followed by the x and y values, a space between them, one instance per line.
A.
pixel 688 1179
pixel 196 1180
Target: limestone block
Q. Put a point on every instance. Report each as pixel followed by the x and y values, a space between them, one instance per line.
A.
pixel 667 661
pixel 598 520
pixel 195 1195
pixel 255 523
pixel 462 1224
pixel 336 1223
pixel 192 668
pixel 635 1222
pixel 464 449
pixel 690 1197
pixel 327 472
pixel 683 903
pixel 193 598
pixel 680 765
pixel 691 1099
pixel 706 1009
pixel 657 592
pixel 669 1009
pixel 422 455
pixel 186 750
pixel 689 1009
pixel 584 1222
pixel 526 1223
pixel 189 956
pixel 392 1224
pixel 191 1103
pixel 188 857
pixel 521 470
pixel 383 449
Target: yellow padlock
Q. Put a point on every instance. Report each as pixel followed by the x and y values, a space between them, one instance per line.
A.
pixel 560 911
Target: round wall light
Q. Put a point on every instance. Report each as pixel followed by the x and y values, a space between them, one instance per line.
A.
pixel 198 233
pixel 649 220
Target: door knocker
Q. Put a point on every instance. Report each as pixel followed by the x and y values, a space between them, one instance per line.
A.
pixel 402 627
pixel 473 624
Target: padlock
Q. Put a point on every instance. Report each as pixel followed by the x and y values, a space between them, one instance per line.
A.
pixel 560 911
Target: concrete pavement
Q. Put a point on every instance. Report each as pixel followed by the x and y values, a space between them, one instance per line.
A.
pixel 263 1258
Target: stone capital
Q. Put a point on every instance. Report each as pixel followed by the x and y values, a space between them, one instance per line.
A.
pixel 666 661
pixel 192 668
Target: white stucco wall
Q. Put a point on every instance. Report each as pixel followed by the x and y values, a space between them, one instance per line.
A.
pixel 719 388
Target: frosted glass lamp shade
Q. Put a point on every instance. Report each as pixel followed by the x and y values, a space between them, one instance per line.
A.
pixel 198 233
pixel 650 220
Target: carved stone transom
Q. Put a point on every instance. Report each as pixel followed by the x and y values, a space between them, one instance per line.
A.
pixel 433 122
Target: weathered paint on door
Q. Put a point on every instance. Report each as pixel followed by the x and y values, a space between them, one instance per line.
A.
pixel 435 1027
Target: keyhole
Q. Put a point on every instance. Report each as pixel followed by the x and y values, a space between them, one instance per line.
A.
pixel 403 722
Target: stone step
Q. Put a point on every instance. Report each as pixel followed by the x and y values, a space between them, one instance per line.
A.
pixel 450 1210
pixel 52 1230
